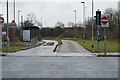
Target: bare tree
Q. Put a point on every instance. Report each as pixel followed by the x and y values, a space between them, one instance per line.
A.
pixel 39 24
pixel 27 23
pixel 70 24
pixel 59 24
pixel 32 18
pixel 79 24
pixel 113 23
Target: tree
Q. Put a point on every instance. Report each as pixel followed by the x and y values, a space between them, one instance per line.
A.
pixel 58 31
pixel 70 24
pixel 32 21
pixel 39 24
pixel 113 23
pixel 32 18
pixel 27 23
pixel 79 24
pixel 59 24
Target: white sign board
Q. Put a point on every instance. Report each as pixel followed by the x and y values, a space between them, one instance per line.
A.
pixel 105 25
pixel 4 33
pixel 26 35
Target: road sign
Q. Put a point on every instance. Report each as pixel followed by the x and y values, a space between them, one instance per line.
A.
pixel 1 20
pixel 13 23
pixel 104 20
pixel 105 25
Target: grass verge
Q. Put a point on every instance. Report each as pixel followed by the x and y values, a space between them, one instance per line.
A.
pixel 112 46
pixel 108 56
pixel 11 49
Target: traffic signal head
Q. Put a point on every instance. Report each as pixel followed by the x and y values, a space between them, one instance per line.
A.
pixel 98 17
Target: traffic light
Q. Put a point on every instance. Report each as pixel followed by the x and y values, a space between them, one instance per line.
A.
pixel 98 17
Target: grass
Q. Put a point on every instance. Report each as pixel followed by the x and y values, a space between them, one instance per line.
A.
pixel 11 49
pixel 50 43
pixel 111 46
pixel 108 56
pixel 59 42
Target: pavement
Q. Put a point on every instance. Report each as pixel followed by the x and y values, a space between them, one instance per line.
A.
pixel 43 50
pixel 63 50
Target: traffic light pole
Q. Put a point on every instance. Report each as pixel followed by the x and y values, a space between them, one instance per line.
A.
pixel 92 26
pixel 1 35
pixel 8 41
pixel 104 41
pixel 98 23
pixel 98 38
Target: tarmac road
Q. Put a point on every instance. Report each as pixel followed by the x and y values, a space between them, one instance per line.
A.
pixel 59 67
pixel 73 47
pixel 69 46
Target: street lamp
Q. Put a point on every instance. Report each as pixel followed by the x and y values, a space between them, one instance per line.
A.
pixel 75 23
pixel 14 9
pixel 18 16
pixel 41 21
pixel 83 21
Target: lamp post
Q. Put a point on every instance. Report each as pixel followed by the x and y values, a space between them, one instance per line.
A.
pixel 41 21
pixel 14 27
pixel 75 23
pixel 21 20
pixel 14 9
pixel 83 21
pixel 92 26
pixel 18 16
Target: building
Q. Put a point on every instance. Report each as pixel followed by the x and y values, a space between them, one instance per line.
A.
pixel 30 33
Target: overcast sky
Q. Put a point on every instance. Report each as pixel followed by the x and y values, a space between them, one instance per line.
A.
pixel 53 11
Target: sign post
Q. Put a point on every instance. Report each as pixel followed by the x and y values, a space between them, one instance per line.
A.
pixel 104 21
pixel 13 24
pixel 98 23
pixel 1 21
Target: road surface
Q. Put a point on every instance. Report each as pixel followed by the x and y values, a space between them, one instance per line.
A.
pixel 42 62
pixel 59 67
pixel 69 46
pixel 72 47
